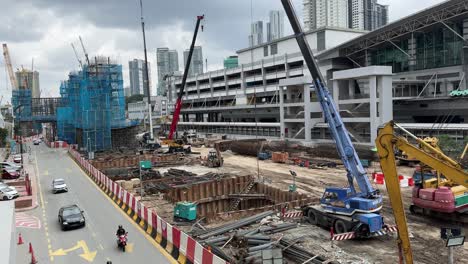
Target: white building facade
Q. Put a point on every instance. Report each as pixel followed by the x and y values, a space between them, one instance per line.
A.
pixel 325 13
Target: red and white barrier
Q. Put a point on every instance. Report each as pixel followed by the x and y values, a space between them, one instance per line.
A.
pixel 293 214
pixel 187 246
pixel 379 178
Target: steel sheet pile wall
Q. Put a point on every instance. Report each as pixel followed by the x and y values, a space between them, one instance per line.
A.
pixel 214 198
pixel 182 247
pixel 128 161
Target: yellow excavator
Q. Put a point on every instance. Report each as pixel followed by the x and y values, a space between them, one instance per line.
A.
pixel 387 142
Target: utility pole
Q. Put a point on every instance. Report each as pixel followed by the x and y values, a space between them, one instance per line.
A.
pixel 146 81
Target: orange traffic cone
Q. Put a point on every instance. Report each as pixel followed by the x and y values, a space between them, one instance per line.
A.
pixel 33 258
pixel 30 248
pixel 20 239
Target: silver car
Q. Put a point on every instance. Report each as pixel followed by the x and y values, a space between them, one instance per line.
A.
pixel 59 185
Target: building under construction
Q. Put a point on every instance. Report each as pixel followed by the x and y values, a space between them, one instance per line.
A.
pixel 92 105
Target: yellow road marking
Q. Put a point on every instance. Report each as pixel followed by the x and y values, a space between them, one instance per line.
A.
pixel 148 237
pixel 87 254
pixel 41 196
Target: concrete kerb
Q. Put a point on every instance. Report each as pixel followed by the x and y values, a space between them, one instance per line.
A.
pixel 157 231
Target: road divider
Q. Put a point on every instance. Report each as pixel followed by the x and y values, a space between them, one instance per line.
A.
pixel 179 245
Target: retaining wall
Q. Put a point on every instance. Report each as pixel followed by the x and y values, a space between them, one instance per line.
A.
pixel 181 246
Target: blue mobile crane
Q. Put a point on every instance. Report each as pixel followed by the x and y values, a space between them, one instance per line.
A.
pixel 344 209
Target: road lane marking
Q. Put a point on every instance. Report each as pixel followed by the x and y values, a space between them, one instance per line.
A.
pixel 148 237
pixel 44 217
pixel 87 254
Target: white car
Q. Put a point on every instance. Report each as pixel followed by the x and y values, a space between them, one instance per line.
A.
pixel 4 185
pixel 59 185
pixel 17 158
pixel 8 193
pixel 10 165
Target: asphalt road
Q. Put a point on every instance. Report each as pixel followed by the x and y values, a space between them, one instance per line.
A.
pixel 96 242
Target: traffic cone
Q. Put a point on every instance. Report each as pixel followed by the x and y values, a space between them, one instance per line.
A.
pixel 33 258
pixel 20 239
pixel 30 248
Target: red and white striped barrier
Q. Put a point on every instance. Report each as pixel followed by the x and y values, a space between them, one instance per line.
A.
pixel 343 236
pixel 172 237
pixel 379 178
pixel 293 214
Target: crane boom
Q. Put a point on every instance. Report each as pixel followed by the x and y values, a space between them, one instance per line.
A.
pixel 344 145
pixel 76 55
pixel 178 104
pixel 6 54
pixel 84 50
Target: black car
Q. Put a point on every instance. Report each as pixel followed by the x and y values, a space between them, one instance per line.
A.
pixel 71 216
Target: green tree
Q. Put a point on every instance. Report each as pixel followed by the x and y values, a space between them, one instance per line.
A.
pixel 133 98
pixel 3 136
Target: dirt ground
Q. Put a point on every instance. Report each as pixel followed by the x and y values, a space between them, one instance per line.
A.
pixel 426 243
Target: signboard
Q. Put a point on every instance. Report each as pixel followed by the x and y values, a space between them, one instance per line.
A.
pixel 145 164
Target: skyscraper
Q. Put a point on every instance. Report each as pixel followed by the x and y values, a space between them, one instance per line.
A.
pixel 275 27
pixel 367 14
pixel 256 34
pixel 136 69
pixel 325 13
pixel 168 62
pixel 196 65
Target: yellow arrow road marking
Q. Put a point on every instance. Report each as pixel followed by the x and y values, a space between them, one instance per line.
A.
pixel 46 172
pixel 68 170
pixel 87 254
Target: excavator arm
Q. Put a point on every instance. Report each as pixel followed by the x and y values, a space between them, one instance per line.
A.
pixel 386 143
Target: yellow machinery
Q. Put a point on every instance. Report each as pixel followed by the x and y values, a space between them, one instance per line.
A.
pixel 386 143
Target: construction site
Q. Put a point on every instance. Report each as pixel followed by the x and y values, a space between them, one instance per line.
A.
pixel 305 189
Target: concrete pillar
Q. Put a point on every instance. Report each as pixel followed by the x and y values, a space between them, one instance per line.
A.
pixel 243 80
pixel 374 120
pixel 281 108
pixel 385 99
pixel 210 79
pixel 226 82
pixel 336 93
pixel 307 120
pixel 197 84
pixel 264 82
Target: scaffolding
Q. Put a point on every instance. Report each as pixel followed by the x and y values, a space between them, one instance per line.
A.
pixel 21 101
pixel 93 104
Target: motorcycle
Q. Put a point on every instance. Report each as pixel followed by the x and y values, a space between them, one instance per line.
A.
pixel 122 241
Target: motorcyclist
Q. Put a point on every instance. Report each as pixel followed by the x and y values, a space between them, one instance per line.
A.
pixel 121 231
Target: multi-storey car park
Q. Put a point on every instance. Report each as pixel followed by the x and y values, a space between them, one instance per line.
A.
pixel 427 61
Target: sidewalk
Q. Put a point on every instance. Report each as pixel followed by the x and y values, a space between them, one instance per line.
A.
pixel 29 167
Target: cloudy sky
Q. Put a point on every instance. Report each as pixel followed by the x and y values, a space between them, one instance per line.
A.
pixel 44 29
